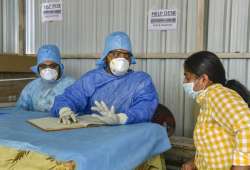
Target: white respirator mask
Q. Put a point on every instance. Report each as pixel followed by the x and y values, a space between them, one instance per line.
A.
pixel 49 74
pixel 119 66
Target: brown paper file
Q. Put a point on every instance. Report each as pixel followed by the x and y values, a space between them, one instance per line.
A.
pixel 52 123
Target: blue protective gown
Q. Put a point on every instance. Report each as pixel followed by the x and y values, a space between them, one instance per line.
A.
pixel 133 94
pixel 39 94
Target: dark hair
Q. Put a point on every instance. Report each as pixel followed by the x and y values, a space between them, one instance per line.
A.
pixel 239 88
pixel 164 117
pixel 205 62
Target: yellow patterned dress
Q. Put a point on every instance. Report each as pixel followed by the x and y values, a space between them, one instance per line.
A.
pixel 222 131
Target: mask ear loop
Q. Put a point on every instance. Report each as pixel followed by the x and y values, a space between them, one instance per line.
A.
pixel 204 87
pixel 203 91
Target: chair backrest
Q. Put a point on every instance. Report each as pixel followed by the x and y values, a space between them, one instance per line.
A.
pixel 164 117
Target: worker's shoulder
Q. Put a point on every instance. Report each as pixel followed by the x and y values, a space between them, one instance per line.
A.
pixel 218 93
pixel 100 73
pixel 92 73
pixel 65 81
pixel 34 84
pixel 68 78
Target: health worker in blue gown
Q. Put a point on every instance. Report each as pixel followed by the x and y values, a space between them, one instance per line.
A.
pixel 112 92
pixel 39 94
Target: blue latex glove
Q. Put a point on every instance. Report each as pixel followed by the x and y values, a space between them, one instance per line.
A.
pixel 108 116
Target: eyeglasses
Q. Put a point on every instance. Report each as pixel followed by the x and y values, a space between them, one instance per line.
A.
pixel 119 54
pixel 53 66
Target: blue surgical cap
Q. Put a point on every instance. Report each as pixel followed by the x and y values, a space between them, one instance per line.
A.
pixel 115 41
pixel 48 52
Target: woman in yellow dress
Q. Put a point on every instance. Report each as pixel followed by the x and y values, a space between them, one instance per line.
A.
pixel 222 131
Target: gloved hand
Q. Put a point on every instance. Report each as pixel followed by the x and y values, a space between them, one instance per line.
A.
pixel 108 116
pixel 66 116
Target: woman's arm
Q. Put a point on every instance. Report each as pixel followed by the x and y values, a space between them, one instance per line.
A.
pixel 240 168
pixel 189 165
pixel 231 112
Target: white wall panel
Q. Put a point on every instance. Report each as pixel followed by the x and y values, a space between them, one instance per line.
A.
pixel 1 26
pixel 248 74
pixel 156 39
pixel 137 25
pixel 76 68
pixel 10 24
pixel 238 70
pixel 86 23
pixel 229 25
pixel 173 91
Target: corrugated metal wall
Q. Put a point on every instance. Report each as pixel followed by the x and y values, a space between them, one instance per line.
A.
pixel 10 24
pixel 229 25
pixel 94 19
pixel 86 23
pixel 1 26
pixel 229 31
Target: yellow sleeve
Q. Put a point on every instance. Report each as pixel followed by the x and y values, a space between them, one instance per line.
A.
pixel 231 112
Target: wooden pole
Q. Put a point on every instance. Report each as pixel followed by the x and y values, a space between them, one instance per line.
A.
pixel 200 25
pixel 21 8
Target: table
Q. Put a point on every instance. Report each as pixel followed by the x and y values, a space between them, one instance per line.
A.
pixel 106 147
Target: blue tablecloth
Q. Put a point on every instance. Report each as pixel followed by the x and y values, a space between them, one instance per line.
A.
pixel 109 147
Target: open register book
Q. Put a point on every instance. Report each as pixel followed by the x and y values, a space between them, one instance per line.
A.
pixel 52 123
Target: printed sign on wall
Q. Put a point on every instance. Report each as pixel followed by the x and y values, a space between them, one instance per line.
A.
pixel 162 19
pixel 52 11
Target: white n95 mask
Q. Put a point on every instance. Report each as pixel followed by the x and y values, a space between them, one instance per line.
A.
pixel 189 89
pixel 49 74
pixel 119 66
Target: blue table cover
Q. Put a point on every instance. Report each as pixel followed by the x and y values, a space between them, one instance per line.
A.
pixel 108 147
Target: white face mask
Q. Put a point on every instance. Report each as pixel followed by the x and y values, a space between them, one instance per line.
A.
pixel 49 74
pixel 189 89
pixel 119 66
